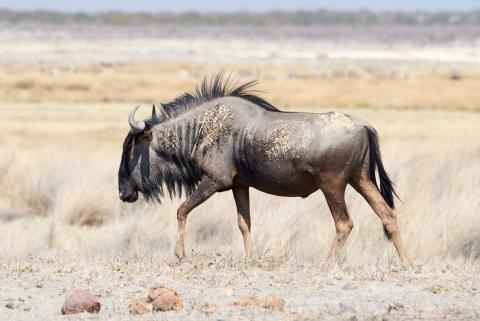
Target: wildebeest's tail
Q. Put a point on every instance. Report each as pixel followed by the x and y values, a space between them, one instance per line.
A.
pixel 386 184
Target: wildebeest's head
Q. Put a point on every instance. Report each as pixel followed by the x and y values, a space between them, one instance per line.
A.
pixel 156 156
pixel 135 165
pixel 160 153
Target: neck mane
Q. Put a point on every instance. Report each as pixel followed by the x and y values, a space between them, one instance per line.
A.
pixel 217 86
pixel 179 171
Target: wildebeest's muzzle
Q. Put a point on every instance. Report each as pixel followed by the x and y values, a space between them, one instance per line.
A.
pixel 127 193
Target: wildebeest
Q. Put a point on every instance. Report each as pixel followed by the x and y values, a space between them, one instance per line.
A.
pixel 223 137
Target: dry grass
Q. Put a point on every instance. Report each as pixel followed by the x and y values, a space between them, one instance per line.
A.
pixel 69 180
pixel 329 83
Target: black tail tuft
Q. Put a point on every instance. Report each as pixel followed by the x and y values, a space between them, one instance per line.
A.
pixel 386 185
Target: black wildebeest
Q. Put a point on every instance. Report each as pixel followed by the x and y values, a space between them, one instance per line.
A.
pixel 223 138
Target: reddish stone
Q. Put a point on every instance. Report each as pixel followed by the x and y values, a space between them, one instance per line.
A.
pixel 81 301
pixel 164 299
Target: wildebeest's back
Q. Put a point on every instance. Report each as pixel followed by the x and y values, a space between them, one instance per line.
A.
pixel 286 153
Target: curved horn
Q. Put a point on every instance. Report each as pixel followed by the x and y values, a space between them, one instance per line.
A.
pixel 136 126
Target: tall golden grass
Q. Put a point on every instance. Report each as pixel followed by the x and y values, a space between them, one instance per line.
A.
pixel 58 170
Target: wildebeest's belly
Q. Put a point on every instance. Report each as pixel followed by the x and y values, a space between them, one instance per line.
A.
pixel 284 181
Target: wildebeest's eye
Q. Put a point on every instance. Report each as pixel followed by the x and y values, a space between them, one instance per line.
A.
pixel 146 136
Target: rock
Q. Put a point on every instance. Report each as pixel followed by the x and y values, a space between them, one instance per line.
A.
pixel 15 304
pixel 275 302
pixel 435 289
pixel 229 292
pixel 395 307
pixel 81 301
pixel 349 286
pixel 139 307
pixel 246 301
pixel 343 308
pixel 208 308
pixel 164 299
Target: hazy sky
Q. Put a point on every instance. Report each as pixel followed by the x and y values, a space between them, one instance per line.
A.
pixel 235 5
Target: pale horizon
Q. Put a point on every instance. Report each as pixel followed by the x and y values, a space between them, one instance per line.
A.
pixel 91 6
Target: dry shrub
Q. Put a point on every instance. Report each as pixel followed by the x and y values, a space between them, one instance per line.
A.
pixel 77 87
pixel 85 205
pixel 89 198
pixel 29 183
pixel 25 84
pixel 55 183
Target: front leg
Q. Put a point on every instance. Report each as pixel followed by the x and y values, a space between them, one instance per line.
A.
pixel 242 200
pixel 204 190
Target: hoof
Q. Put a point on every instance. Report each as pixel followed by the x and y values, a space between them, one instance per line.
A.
pixel 179 257
pixel 248 260
pixel 179 251
pixel 328 266
pixel 408 266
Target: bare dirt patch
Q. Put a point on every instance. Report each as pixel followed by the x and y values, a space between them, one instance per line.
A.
pixel 209 283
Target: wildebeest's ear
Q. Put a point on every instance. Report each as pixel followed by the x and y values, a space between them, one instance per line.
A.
pixel 154 112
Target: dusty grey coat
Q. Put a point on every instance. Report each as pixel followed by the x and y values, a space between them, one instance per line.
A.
pixel 223 138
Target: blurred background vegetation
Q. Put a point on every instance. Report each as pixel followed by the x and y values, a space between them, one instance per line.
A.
pixel 317 17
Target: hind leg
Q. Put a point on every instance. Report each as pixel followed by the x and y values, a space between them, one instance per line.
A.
pixel 370 192
pixel 343 223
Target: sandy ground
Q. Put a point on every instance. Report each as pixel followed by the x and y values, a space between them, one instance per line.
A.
pixel 34 289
